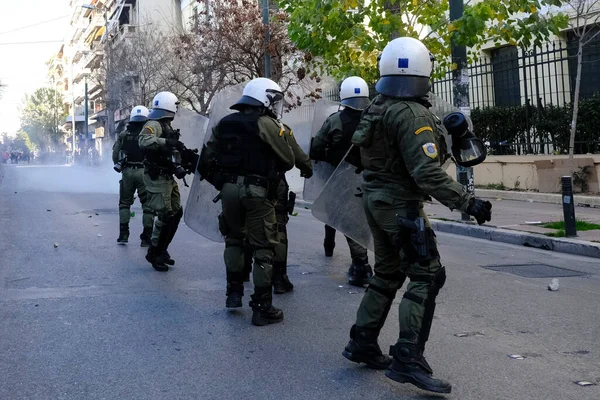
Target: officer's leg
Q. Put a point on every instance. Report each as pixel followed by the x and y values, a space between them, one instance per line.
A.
pixel 174 221
pixel 380 293
pixel 261 225
pixel 281 282
pixel 231 225
pixel 427 277
pixel 126 192
pixel 248 256
pixel 329 242
pixel 148 213
pixel 159 200
pixel 360 271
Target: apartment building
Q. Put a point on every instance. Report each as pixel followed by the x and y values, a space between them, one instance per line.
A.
pixel 97 28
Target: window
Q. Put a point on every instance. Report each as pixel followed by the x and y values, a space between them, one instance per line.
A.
pixel 505 68
pixel 590 79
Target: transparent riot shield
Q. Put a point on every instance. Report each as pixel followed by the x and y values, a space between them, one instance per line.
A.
pixel 321 170
pixel 338 204
pixel 202 207
pixel 192 127
pixel 299 120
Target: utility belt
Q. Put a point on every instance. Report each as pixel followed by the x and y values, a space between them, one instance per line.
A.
pixel 134 166
pixel 154 171
pixel 246 180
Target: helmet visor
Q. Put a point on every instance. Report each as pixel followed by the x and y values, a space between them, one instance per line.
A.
pixel 138 118
pixel 158 113
pixel 356 103
pixel 469 150
pixel 276 102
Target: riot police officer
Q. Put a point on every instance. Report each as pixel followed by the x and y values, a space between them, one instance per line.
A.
pixel 244 160
pixel 402 152
pixel 129 161
pixel 161 146
pixel 330 144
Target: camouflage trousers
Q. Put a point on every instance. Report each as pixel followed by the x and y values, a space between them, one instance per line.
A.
pixel 395 260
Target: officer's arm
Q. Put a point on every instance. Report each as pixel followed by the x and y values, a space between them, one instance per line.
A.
pixel 319 144
pixel 418 147
pixel 272 134
pixel 301 159
pixel 149 137
pixel 117 148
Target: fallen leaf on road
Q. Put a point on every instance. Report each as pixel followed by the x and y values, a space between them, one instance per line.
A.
pixel 553 286
pixel 99 235
pixel 55 245
pixel 48 210
pixel 498 199
pixel 585 383
pixel 96 224
pixel 516 356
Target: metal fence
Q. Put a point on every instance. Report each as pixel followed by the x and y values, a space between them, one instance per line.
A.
pixel 532 88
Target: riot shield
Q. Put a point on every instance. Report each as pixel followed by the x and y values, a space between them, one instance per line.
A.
pixel 321 170
pixel 192 127
pixel 299 120
pixel 338 206
pixel 201 211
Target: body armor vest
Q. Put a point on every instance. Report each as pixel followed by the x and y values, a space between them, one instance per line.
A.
pixel 240 148
pixel 381 150
pixel 130 146
pixel 158 158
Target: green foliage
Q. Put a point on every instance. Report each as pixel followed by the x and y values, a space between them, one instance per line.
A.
pixel 346 36
pixel 581 225
pixel 41 115
pixel 526 124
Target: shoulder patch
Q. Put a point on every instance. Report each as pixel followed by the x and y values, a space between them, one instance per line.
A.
pixel 423 129
pixel 150 129
pixel 430 150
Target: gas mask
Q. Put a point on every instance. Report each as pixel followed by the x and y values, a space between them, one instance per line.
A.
pixel 467 149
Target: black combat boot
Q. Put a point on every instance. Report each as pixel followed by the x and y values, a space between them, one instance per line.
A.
pixel 145 237
pixel 359 273
pixel 156 258
pixel 263 312
pixel 167 258
pixel 329 242
pixel 409 366
pixel 281 282
pixel 235 291
pixel 363 348
pixel 123 233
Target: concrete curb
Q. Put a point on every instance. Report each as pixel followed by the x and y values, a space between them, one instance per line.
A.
pixel 560 245
pixel 553 198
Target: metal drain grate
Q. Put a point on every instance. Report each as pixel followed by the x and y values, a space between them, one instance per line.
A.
pixel 534 270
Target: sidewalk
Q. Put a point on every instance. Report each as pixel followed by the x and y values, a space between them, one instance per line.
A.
pixel 519 222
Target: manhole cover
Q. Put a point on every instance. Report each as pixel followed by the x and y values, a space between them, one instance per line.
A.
pixel 534 270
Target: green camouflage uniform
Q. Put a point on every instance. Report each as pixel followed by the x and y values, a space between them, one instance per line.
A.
pixel 402 151
pixel 249 209
pixel 132 179
pixel 163 191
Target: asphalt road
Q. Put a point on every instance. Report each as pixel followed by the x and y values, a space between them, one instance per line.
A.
pixel 92 320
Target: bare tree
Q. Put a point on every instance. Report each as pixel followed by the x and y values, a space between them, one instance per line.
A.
pixel 585 16
pixel 227 46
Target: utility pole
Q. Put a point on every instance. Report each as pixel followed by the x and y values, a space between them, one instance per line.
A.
pixel 85 113
pixel 267 38
pixel 73 124
pixel 460 90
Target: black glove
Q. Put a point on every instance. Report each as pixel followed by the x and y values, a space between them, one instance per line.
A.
pixel 481 210
pixel 306 174
pixel 176 144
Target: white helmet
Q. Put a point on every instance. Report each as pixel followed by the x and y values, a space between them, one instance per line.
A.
pixel 405 67
pixel 164 105
pixel 139 114
pixel 262 92
pixel 354 93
